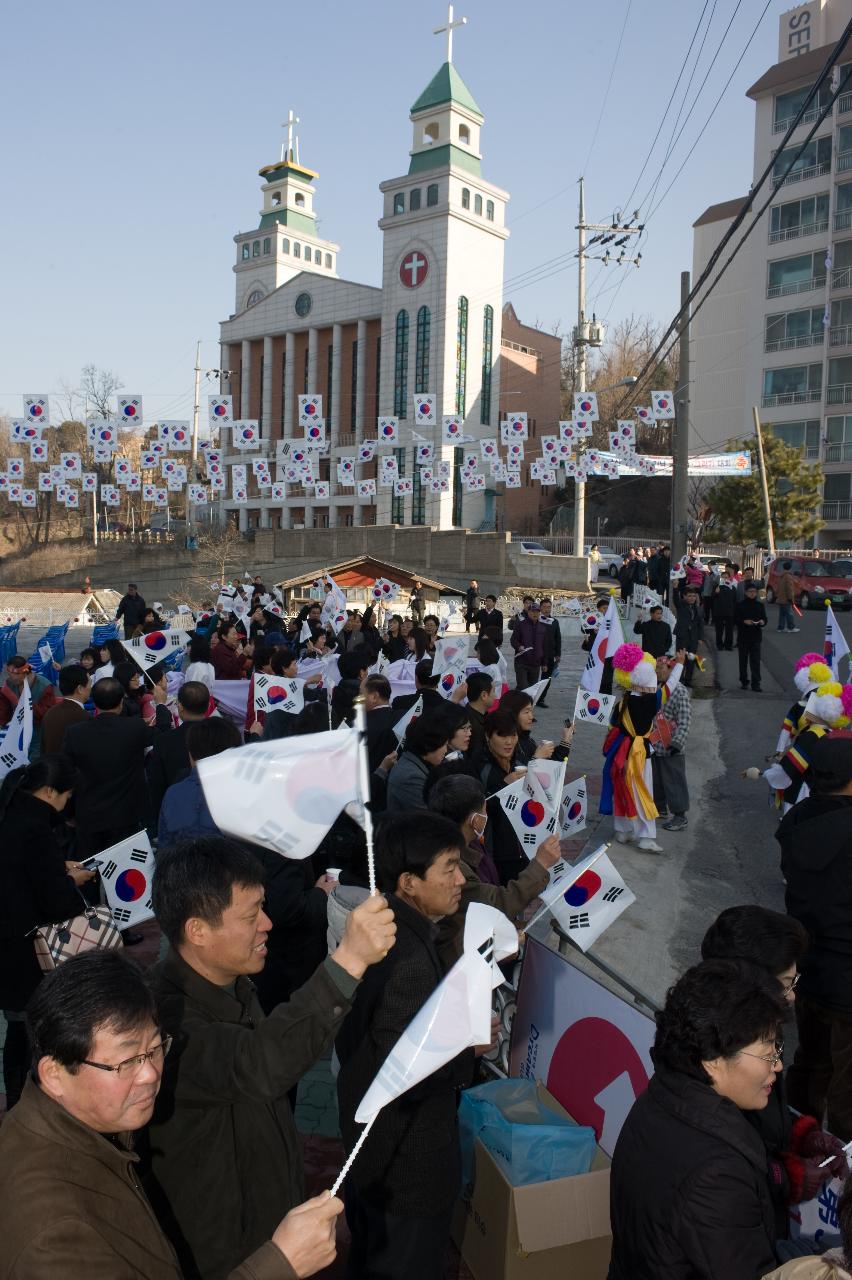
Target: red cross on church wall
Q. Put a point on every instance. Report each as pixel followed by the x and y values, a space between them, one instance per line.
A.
pixel 413 269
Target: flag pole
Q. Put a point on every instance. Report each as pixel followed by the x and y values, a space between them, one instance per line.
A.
pixel 548 898
pixel 352 1154
pixel 364 792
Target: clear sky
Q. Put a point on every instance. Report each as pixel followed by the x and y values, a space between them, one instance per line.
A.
pixel 132 135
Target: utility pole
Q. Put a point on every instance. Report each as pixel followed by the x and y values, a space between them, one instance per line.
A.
pixel 589 333
pixel 680 449
pixel 764 486
pixel 195 399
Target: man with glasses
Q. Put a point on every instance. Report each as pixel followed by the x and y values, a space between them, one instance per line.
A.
pixel 71 1202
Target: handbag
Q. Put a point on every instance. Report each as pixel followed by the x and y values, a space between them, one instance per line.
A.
pixel 56 943
pixel 662 732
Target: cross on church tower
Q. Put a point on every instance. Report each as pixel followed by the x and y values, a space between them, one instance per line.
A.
pixel 289 153
pixel 449 28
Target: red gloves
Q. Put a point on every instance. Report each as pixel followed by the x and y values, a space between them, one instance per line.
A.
pixel 809 1146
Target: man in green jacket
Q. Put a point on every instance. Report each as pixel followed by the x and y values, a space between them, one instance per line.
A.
pixel 222 1146
pixel 71 1203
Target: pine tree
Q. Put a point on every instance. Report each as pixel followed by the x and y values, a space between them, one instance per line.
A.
pixel 795 494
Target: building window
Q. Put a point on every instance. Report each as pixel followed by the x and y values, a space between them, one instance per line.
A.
pixel 430 133
pixel 797 384
pixel 300 200
pixel 421 354
pixel 246 252
pixel 398 503
pixel 796 275
pixel 400 367
pixel 255 249
pixel 788 105
pixel 838 435
pixel 813 160
pixel 328 261
pixel 285 246
pixel 399 202
pixel 254 296
pixel 378 397
pixel 414 199
pixel 276 198
pixel 461 358
pixel 489 210
pixel 464 135
pixel 487 356
pixel 267 245
pixel 418 499
pixel 836 489
pixel 458 458
pixel 432 193
pixel 465 197
pixel 353 394
pixel 307 362
pixel 333 427
pixel 805 435
pixel 283 385
pixel 477 205
pixel 297 249
pixel 789 330
pixel 798 218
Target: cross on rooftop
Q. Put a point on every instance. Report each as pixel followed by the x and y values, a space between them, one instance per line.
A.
pixel 449 28
pixel 288 124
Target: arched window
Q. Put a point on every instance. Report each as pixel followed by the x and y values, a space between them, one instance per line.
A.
pixel 461 358
pixel 300 200
pixel 285 246
pixel 487 356
pixel 421 353
pixel 307 253
pixel 489 210
pixel 432 193
pixel 465 197
pixel 477 205
pixel 328 260
pixel 464 135
pixel 267 245
pixel 431 132
pixel 399 202
pixel 297 249
pixel 276 198
pixel 414 199
pixel 254 296
pixel 246 252
pixel 255 249
pixel 400 367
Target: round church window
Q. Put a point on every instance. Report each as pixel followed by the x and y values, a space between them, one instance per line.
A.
pixel 304 302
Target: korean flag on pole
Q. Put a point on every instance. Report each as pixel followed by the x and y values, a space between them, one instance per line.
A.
pixel 147 651
pixel 15 743
pixel 532 821
pixel 593 708
pixel 126 871
pixel 572 811
pixel 834 646
pixel 273 693
pixel 585 899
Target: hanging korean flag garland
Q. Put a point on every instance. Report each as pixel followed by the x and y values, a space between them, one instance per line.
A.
pixel 586 405
pixel 149 493
pixel 45 482
pixel 23 431
pixel 424 410
pixel 220 410
pixel 38 451
pixel 402 486
pixel 37 409
pixel 101 431
pixel 15 469
pixel 488 449
pixel 425 454
pixel 315 431
pixel 110 496
pixel 197 495
pixel 452 430
pixel 28 497
pixel 645 414
pixel 246 433
pixel 662 404
pixel 71 465
pixel 626 429
pixel 130 411
pixel 90 481
pixel 367 450
pixel 126 871
pixel 366 488
pixel 322 490
pixel 72 498
pixel 179 434
pixel 273 693
pixel 515 427
pixel 310 407
pixel 278 492
pixel 388 430
pixel 593 708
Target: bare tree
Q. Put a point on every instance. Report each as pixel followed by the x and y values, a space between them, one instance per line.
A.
pixel 97 387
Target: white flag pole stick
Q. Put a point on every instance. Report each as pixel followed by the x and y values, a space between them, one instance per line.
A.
pixel 563 884
pixel 364 791
pixel 352 1154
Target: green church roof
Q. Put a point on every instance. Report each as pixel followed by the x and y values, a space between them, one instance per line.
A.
pixel 446 86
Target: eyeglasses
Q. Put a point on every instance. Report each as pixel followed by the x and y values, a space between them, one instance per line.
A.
pixel 787 987
pixel 771 1058
pixel 131 1065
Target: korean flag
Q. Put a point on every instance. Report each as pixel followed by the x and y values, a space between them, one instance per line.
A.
pixel 37 410
pixel 310 407
pixel 273 693
pixel 424 410
pixel 130 412
pixel 662 404
pixel 126 871
pixel 220 410
pixel 586 405
pixel 388 430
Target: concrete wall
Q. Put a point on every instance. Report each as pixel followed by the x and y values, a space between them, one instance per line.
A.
pixel 169 573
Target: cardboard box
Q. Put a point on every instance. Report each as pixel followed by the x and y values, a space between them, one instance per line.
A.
pixel 556 1230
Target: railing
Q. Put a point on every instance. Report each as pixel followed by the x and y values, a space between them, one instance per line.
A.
pixel 791 397
pixel 516 346
pixel 837 511
pixel 346 439
pixel 811 452
pixel 840 335
pixel 152 536
pixel 844 161
pixel 805 175
pixel 841 278
pixel 814 339
pixel 781 126
pixel 844 103
pixel 843 221
pixel 838 452
pixel 795 286
pixel 839 394
pixel 804 229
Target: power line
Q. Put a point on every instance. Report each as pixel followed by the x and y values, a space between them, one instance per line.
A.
pixel 608 87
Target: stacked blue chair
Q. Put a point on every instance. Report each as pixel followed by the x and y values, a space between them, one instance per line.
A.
pixel 9 642
pixel 105 631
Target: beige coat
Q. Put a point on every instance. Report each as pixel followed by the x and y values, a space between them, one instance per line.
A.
pixel 823 1267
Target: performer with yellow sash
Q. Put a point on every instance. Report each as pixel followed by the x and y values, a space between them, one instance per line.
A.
pixel 627 790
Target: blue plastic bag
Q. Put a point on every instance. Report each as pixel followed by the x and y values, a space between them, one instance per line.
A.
pixel 529 1142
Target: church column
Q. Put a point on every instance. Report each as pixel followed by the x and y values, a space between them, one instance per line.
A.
pixel 245 382
pixel 289 384
pixel 360 402
pixel 333 409
pixel 268 375
pixel 243 519
pixel 265 518
pixel 313 336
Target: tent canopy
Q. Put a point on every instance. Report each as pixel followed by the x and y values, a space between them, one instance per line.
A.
pixel 361 572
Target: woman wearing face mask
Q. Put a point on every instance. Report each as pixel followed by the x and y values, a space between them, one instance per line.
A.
pixel 627 790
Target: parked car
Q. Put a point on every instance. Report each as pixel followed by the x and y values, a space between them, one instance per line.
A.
pixel 817 582
pixel 528 548
pixel 842 567
pixel 610 561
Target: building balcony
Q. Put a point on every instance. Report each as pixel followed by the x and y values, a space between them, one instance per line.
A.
pixel 795 344
pixel 839 394
pixel 843 162
pixel 841 278
pixel 805 229
pixel 346 439
pixel 813 171
pixel 844 103
pixel 795 286
pixel 843 221
pixel 837 511
pixel 840 335
pixel 838 452
pixel 781 126
pixel 793 397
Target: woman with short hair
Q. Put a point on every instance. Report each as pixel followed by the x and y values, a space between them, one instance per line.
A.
pixel 424 748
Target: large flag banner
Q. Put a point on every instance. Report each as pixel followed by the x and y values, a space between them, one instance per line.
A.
pixel 834 646
pixel 273 693
pixel 594 708
pixel 220 410
pixel 147 651
pixel 456 1016
pixel 285 794
pixel 126 870
pixel 15 743
pixel 572 811
pixel 586 899
pixel 609 631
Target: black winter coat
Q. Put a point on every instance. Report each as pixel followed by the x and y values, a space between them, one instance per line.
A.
pixel 656 636
pixel 689 1196
pixel 689 627
pixel 816 861
pixel 34 889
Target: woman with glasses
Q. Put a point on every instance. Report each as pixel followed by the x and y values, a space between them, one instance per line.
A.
pixel 690 1196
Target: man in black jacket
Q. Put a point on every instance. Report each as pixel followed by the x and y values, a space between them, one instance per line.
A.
pixel 548 619
pixel 689 630
pixel 816 861
pixel 471 604
pixel 656 634
pixel 168 761
pixel 381 717
pixel 401 1189
pixel 724 606
pixel 750 617
pixel 131 607
pixel 489 621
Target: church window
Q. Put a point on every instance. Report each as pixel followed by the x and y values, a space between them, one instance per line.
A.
pixel 489 210
pixel 353 389
pixel 254 296
pixel 458 459
pixel 285 246
pixel 465 198
pixel 246 252
pixel 328 260
pixel 399 202
pixel 477 205
pixel 464 135
pixel 400 367
pixel 430 133
pixel 300 200
pixel 414 199
pixel 276 198
pixel 421 355
pixel 307 253
pixel 255 249
pixel 487 357
pixel 398 503
pixel 461 358
pixel 432 193
pixel 267 245
pixel 418 499
pixel 297 249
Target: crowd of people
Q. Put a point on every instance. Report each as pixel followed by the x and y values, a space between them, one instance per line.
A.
pixel 150 1124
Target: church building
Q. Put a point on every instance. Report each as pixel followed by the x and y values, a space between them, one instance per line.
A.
pixel 434 326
